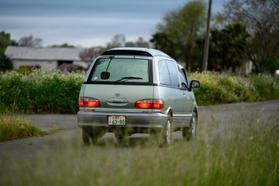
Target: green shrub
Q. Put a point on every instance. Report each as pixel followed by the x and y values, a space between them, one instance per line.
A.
pixel 266 86
pixel 14 128
pixel 39 92
pixel 224 88
pixel 5 63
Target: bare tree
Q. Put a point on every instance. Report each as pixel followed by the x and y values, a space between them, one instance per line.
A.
pixel 30 41
pixel 142 43
pixel 89 54
pixel 118 40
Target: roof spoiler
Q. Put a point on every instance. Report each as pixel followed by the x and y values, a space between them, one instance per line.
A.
pixel 127 53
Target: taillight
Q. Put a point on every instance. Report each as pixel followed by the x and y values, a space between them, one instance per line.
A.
pixel 144 104
pixel 89 103
pixel 149 104
pixel 81 103
pixel 158 104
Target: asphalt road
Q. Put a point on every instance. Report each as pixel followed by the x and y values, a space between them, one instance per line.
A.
pixel 222 113
pixel 66 131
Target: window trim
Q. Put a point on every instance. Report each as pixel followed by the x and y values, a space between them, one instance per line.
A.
pixel 183 73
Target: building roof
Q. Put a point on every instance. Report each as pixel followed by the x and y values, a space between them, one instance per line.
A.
pixel 31 53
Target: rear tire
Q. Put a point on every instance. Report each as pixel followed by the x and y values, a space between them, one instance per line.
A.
pixel 86 135
pixel 166 134
pixel 90 135
pixel 189 132
pixel 121 135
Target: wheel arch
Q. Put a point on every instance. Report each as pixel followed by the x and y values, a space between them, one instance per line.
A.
pixel 169 112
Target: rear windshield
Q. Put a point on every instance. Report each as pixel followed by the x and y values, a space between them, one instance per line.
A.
pixel 121 70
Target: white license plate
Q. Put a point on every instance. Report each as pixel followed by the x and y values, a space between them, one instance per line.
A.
pixel 117 120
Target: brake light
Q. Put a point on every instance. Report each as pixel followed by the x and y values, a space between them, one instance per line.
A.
pixel 143 104
pixel 89 103
pixel 81 103
pixel 158 104
pixel 149 104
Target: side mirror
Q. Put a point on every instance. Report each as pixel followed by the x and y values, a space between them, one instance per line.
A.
pixel 195 84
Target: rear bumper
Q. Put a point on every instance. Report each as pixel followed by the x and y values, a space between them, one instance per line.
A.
pixel 133 120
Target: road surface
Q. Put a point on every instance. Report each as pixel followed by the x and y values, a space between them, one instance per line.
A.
pixel 67 132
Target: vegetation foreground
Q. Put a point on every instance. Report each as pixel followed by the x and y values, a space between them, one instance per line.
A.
pixel 41 92
pixel 244 151
pixel 12 128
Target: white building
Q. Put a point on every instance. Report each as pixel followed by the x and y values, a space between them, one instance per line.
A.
pixel 46 59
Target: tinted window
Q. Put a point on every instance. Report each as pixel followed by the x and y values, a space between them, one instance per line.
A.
pixel 173 69
pixel 119 68
pixel 164 74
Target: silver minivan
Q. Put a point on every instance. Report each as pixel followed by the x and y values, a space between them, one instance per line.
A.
pixel 136 90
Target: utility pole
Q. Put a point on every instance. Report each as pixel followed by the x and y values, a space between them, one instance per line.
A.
pixel 206 44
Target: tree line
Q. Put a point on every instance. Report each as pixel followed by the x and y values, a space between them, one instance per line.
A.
pixel 244 31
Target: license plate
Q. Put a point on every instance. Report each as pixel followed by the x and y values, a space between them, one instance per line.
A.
pixel 117 120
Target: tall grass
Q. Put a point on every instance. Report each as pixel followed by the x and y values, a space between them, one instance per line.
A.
pixel 241 152
pixel 14 128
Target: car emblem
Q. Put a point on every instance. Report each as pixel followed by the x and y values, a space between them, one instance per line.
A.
pixel 117 94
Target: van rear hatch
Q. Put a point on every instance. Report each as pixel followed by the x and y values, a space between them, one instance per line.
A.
pixel 117 83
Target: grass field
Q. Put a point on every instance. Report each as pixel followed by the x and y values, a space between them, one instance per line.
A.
pixel 242 152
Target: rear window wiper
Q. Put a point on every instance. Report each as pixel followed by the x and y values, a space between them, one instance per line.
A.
pixel 126 78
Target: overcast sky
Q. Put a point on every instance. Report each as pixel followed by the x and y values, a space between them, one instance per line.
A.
pixel 85 22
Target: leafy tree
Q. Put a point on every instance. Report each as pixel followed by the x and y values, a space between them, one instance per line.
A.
pixel 5 41
pixel 5 63
pixel 272 65
pixel 228 47
pixel 179 31
pixel 261 18
pixel 30 41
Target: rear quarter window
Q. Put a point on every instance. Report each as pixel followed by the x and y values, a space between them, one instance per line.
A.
pixel 164 74
pixel 168 73
pixel 173 68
